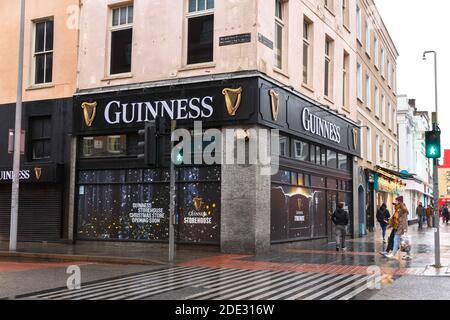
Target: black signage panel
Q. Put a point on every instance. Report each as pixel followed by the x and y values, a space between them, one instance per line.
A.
pixel 213 103
pixel 235 39
pixel 33 174
pixel 297 116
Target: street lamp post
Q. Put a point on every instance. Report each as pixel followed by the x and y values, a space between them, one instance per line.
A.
pixel 17 137
pixel 437 245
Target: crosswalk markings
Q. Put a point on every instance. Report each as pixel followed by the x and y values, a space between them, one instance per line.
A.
pixel 221 284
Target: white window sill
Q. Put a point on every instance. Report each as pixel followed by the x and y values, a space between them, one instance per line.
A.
pixel 307 87
pixel 117 76
pixel 40 86
pixel 279 71
pixel 189 67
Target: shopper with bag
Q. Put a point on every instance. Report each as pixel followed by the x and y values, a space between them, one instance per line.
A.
pixel 402 213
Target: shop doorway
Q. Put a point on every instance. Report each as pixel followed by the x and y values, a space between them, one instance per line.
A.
pixel 362 212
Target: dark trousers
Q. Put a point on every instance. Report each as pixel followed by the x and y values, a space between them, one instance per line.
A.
pixel 384 229
pixel 390 246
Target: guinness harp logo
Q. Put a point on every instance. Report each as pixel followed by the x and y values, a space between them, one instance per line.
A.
pixel 274 100
pixel 232 100
pixel 89 111
pixel 299 204
pixel 198 204
pixel 355 138
pixel 38 173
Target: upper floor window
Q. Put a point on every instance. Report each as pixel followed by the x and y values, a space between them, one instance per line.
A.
pixel 328 74
pixel 382 63
pixel 200 35
pixel 279 26
pixel 307 50
pixel 368 91
pixel 345 13
pixel 377 102
pixel 376 52
pixel 43 52
pixel 368 40
pixel 358 24
pixel 329 4
pixel 359 81
pixel 40 137
pixel 345 81
pixel 121 40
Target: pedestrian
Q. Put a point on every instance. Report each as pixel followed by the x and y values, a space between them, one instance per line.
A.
pixel 393 224
pixel 446 213
pixel 421 214
pixel 383 216
pixel 402 212
pixel 341 220
pixel 430 216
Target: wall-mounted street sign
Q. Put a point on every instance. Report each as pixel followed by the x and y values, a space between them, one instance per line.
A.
pixel 235 39
pixel 265 41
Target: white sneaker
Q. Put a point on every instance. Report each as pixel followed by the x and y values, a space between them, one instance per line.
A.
pixel 390 256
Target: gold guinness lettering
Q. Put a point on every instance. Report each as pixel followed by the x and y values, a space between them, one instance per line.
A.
pixel 89 111
pixel 232 100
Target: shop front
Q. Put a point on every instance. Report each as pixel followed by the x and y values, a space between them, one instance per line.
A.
pixel 40 203
pixel 120 199
pixel 387 187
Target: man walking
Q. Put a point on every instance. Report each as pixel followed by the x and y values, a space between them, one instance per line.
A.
pixel 341 219
pixel 421 214
pixel 383 217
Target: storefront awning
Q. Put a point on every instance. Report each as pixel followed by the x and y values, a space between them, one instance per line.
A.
pixel 392 174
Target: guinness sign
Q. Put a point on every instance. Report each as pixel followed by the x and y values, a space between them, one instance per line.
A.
pixel 320 127
pixel 232 100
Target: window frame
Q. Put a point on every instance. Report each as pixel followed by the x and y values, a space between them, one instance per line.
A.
pixel 368 91
pixel 32 81
pixel 120 27
pixel 359 24
pixel 359 82
pixel 280 23
pixel 369 144
pixel 308 41
pixel 328 59
pixel 191 15
pixel 32 141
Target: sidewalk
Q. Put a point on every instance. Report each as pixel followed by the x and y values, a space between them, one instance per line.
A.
pixel 108 253
pixel 362 252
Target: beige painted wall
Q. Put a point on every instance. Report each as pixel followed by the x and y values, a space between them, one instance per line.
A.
pixel 159 36
pixel 64 13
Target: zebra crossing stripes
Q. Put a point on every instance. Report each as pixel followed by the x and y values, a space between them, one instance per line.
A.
pixel 220 284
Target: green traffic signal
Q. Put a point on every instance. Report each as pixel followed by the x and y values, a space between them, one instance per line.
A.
pixel 433 144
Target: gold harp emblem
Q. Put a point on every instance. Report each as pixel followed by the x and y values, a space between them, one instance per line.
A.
pixel 38 173
pixel 198 203
pixel 355 138
pixel 89 111
pixel 232 100
pixel 274 99
pixel 299 204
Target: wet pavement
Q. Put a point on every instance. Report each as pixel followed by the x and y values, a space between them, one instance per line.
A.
pixel 304 270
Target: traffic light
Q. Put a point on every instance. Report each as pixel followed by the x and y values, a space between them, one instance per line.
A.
pixel 433 144
pixel 148 144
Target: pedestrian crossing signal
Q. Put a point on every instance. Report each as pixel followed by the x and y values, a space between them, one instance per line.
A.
pixel 433 144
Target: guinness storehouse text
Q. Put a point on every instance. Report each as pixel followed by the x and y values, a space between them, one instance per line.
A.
pixel 180 109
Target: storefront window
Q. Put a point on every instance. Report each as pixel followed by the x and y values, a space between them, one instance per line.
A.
pixel 284 147
pixel 301 151
pixel 318 182
pixel 104 146
pixel 343 162
pixel 331 159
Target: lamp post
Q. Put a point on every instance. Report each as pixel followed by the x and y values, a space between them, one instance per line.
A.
pixel 437 245
pixel 17 137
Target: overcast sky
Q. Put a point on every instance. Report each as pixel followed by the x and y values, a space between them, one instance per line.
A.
pixel 418 26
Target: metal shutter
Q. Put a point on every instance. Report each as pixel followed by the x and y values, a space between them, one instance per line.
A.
pixel 40 210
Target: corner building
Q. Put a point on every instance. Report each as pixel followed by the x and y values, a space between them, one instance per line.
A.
pixel 246 64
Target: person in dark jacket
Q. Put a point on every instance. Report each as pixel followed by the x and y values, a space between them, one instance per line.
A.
pixel 383 216
pixel 446 213
pixel 341 220
pixel 421 213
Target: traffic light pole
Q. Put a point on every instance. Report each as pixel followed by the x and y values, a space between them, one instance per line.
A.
pixel 437 241
pixel 172 200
